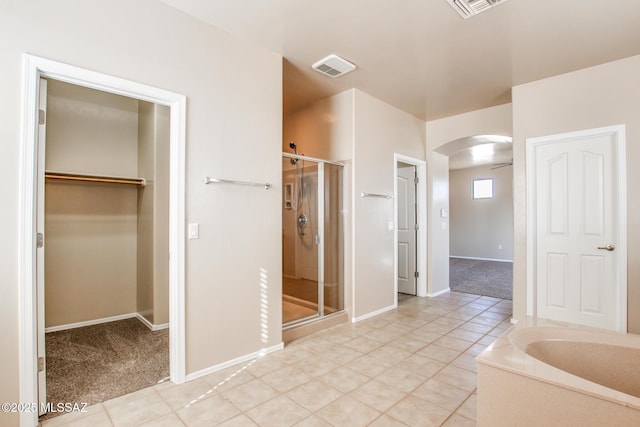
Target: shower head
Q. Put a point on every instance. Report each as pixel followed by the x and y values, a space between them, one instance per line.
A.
pixel 292 145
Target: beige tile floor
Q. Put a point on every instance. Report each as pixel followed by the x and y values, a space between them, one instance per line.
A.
pixel 413 366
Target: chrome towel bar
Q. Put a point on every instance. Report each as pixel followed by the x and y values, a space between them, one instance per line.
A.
pixel 382 196
pixel 209 180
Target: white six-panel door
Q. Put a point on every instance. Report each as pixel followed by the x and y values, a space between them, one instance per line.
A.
pixel 406 229
pixel 577 230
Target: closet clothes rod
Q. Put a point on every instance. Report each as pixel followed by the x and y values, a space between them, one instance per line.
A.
pixel 209 180
pixel 65 176
pixel 381 196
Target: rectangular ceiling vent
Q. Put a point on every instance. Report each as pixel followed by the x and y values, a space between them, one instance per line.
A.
pixel 469 8
pixel 334 66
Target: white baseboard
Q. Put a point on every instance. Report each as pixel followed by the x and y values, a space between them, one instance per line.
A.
pixel 435 294
pixel 107 320
pixel 372 314
pixel 481 259
pixel 90 322
pixel 237 360
pixel 151 325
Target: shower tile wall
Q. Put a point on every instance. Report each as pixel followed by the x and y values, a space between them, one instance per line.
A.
pixel 300 253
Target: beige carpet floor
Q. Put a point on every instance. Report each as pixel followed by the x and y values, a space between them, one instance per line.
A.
pixel 96 363
pixel 479 277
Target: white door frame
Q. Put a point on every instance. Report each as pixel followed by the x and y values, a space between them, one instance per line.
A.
pixel 421 217
pixel 618 132
pixel 33 69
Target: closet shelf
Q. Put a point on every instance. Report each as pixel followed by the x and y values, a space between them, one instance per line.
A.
pixel 65 176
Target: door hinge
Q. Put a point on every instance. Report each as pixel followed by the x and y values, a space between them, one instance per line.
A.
pixel 416 227
pixel 416 274
pixel 40 364
pixel 39 240
pixel 416 180
pixel 42 117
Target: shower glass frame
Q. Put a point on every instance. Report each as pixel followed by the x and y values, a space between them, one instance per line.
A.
pixel 320 238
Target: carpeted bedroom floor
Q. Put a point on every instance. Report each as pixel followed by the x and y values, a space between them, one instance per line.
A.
pixel 488 278
pixel 96 363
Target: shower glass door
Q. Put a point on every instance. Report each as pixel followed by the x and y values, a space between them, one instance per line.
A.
pixel 333 261
pixel 311 239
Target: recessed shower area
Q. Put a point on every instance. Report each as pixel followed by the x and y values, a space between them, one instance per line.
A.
pixel 312 239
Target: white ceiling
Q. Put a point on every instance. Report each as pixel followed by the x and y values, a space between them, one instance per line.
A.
pixel 420 55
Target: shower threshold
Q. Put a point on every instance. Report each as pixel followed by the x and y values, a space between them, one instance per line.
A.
pixel 312 324
pixel 296 310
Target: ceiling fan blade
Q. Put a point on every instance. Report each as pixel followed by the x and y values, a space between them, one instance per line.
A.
pixel 501 165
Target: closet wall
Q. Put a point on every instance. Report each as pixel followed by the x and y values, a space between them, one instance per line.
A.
pixel 153 214
pixel 92 230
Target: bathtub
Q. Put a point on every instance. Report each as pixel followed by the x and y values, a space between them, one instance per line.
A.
pixel 541 373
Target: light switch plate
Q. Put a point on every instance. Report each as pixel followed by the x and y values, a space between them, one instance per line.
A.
pixel 194 231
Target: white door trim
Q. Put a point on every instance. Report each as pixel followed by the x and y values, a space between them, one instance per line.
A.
pixel 421 241
pixel 33 68
pixel 618 132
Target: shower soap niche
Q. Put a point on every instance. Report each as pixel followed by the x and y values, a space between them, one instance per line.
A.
pixel 288 191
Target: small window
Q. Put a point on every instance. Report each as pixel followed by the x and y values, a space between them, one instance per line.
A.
pixel 483 188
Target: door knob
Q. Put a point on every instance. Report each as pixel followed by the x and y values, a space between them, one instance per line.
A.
pixel 609 248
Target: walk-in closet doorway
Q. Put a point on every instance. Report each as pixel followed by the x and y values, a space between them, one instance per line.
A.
pixel 107 212
pixel 106 251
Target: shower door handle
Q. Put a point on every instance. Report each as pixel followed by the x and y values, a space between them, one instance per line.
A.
pixel 317 239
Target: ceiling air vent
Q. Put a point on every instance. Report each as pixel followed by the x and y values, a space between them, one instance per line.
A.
pixel 469 8
pixel 334 66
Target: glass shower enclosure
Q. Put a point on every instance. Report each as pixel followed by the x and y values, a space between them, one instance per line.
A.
pixel 312 239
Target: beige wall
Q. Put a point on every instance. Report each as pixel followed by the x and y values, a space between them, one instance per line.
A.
pixel 90 245
pixel 380 130
pixel 438 223
pixel 604 95
pixel 145 235
pixel 234 130
pixel 89 131
pixel 153 213
pixel 90 252
pixel 481 228
pixel 161 216
pixel 488 121
pixel 323 129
